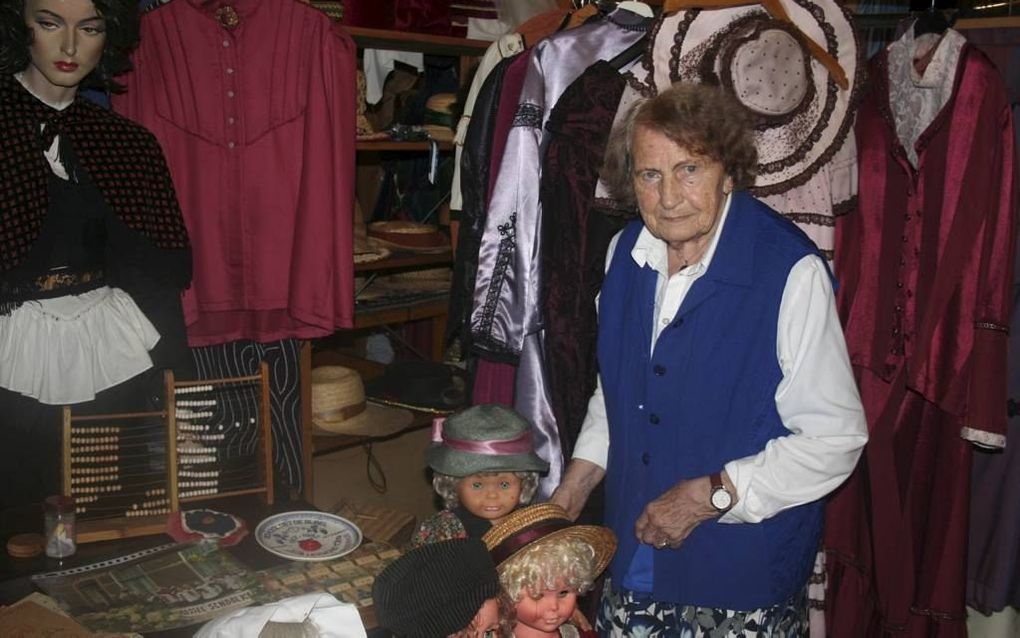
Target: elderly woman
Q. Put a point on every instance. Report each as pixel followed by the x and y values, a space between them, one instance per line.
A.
pixel 726 407
pixel 93 248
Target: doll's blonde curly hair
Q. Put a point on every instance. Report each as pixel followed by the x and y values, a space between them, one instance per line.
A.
pixel 556 562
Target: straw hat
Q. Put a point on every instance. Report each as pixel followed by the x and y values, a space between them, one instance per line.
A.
pixel 412 236
pixel 339 406
pixel 529 526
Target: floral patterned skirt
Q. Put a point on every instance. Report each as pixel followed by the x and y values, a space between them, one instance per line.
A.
pixel 623 614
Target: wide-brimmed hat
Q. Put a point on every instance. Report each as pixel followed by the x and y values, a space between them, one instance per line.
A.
pixel 532 525
pixel 800 114
pixel 412 236
pixel 436 589
pixel 339 406
pixel 484 438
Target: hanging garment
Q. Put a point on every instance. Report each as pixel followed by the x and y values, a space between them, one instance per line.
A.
pixel 506 316
pixel 473 166
pixel 578 130
pixel 242 358
pixel 925 264
pixel 254 105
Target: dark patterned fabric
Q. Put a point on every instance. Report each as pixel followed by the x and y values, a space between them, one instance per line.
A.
pixel 123 159
pixel 578 129
pixel 242 358
pixel 474 180
pixel 628 614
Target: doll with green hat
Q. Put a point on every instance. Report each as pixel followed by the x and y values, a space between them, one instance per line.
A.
pixel 484 467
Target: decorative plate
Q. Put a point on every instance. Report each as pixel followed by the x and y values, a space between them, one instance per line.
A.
pixel 308 535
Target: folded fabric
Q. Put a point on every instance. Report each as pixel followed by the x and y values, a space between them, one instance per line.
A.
pixel 316 614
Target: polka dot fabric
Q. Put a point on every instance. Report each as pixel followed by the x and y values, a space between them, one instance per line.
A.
pixel 123 159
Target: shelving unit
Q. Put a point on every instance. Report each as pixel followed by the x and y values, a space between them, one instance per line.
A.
pixel 432 309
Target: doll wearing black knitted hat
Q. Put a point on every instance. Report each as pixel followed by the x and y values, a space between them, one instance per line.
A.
pixel 485 467
pixel 449 588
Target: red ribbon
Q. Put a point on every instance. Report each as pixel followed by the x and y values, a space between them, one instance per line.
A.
pixel 521 444
pixel 509 546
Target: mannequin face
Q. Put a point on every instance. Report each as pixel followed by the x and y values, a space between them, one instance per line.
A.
pixel 544 612
pixel 67 40
pixel 490 495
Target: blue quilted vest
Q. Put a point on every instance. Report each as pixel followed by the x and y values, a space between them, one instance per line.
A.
pixel 704 397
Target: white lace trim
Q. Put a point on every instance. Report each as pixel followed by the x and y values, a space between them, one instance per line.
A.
pixel 67 349
pixel 916 99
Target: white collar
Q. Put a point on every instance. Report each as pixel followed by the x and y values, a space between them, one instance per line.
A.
pixel 651 251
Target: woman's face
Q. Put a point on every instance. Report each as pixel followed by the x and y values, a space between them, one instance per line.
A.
pixel 490 495
pixel 545 611
pixel 67 40
pixel 680 194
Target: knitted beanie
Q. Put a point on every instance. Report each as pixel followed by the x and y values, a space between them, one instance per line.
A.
pixel 435 590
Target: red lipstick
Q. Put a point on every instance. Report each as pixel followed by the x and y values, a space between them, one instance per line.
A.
pixel 66 67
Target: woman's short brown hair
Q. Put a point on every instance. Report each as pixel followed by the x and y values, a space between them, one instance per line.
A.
pixel 701 118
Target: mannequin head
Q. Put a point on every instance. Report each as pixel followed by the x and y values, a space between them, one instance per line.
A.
pixel 62 44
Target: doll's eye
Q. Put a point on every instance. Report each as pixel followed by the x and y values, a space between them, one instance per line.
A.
pixel 564 593
pixel 476 485
pixel 504 485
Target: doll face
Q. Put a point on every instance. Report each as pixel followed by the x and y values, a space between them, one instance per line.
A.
pixel 67 40
pixel 490 495
pixel 546 610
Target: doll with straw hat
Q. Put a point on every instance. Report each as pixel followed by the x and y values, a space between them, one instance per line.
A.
pixel 484 466
pixel 544 562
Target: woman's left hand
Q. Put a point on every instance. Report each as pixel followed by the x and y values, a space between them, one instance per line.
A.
pixel 669 519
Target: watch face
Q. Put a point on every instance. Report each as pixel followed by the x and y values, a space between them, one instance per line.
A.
pixel 721 499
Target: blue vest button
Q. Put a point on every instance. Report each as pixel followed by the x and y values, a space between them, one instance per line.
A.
pixel 653 419
pixel 659 370
pixel 646 458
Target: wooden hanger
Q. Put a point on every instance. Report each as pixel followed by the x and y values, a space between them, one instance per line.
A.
pixel 777 11
pixel 549 22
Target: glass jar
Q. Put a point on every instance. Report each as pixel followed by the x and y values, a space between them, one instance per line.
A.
pixel 60 538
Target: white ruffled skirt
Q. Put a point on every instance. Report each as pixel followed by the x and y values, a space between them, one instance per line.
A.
pixel 65 350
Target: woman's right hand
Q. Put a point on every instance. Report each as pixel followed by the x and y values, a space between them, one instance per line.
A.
pixel 579 480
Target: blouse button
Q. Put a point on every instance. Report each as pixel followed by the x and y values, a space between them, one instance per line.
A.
pixel 230 71
pixel 230 120
pixel 230 145
pixel 230 94
pixel 226 44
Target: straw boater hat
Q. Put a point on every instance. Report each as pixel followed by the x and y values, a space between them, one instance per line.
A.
pixel 407 235
pixel 483 438
pixel 339 406
pixel 800 115
pixel 536 524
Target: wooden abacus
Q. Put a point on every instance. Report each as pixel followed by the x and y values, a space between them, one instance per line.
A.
pixel 128 471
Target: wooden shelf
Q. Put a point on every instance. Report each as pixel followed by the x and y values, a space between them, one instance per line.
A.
pixel 412 311
pixel 418 42
pixel 400 259
pixel 400 146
